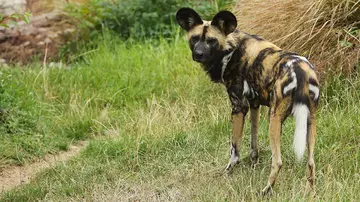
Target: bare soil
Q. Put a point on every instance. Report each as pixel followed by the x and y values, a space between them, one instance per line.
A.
pixel 13 176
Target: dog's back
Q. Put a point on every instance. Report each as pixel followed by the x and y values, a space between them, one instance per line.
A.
pixel 263 64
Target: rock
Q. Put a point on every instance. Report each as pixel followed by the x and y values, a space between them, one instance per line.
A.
pixel 39 36
pixel 29 30
pixel 53 35
pixel 40 43
pixel 20 43
pixel 47 41
pixel 2 37
pixel 53 17
pixel 26 44
pixel 8 7
pixel 41 29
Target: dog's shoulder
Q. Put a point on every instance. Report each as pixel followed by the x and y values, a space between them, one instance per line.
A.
pixel 250 46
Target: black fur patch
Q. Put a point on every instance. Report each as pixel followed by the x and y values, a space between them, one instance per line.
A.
pixel 257 37
pixel 285 54
pixel 257 64
pixel 214 71
pixel 238 102
pixel 236 152
pixel 204 32
pixel 300 97
pixel 231 45
pixel 313 81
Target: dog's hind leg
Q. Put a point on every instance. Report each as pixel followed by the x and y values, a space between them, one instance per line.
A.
pixel 254 116
pixel 276 163
pixel 278 113
pixel 311 144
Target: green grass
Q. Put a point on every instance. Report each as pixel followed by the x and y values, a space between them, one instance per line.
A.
pixel 164 129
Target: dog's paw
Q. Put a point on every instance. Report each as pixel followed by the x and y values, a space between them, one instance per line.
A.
pixel 233 161
pixel 254 158
pixel 266 191
pixel 311 189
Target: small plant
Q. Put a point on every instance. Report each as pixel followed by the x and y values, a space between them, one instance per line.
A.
pixel 13 18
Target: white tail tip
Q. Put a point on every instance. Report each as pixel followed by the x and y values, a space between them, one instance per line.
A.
pixel 301 114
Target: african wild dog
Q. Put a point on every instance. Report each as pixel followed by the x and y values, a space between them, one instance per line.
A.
pixel 256 72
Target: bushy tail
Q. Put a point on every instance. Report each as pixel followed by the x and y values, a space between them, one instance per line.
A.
pixel 301 114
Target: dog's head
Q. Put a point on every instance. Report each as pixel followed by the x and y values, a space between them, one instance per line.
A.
pixel 206 38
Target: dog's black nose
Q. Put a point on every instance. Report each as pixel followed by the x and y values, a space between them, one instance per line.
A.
pixel 198 54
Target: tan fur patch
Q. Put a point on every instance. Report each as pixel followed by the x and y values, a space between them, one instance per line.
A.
pixel 234 38
pixel 237 127
pixel 252 51
pixel 308 70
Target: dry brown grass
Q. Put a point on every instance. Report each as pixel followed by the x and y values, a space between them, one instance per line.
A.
pixel 322 30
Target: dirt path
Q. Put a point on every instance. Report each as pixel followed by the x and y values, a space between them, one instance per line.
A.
pixel 13 176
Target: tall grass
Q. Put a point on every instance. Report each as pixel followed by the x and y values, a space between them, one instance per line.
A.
pixel 45 109
pixel 166 128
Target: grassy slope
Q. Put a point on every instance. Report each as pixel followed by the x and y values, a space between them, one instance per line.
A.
pixel 165 131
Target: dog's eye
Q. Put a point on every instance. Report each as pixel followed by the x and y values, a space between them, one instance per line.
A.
pixel 194 39
pixel 212 41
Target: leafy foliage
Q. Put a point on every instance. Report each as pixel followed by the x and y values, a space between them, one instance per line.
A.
pixel 136 19
pixel 13 18
pixel 140 18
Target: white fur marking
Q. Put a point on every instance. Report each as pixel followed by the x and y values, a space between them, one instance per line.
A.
pixel 290 62
pixel 206 23
pixel 225 61
pixel 315 90
pixel 292 84
pixel 233 157
pixel 246 88
pixel 305 60
pixel 191 21
pixel 301 113
pixel 302 58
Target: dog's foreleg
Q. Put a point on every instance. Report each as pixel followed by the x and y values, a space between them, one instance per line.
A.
pixel 236 138
pixel 255 116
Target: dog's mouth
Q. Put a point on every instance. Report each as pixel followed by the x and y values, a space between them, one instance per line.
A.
pixel 201 60
pixel 206 67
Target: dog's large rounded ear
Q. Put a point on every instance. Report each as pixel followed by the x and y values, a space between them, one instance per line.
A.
pixel 188 18
pixel 225 21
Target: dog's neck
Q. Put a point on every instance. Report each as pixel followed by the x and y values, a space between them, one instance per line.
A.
pixel 226 59
pixel 214 68
pixel 222 65
pixel 219 67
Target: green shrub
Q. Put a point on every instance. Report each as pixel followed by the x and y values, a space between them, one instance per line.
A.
pixel 140 18
pixel 136 19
